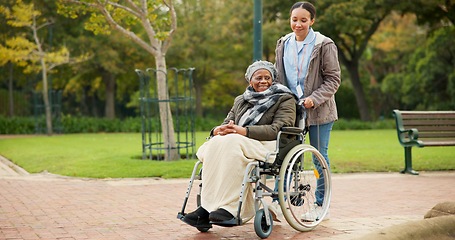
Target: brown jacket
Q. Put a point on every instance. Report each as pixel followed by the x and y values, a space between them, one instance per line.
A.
pixel 322 80
pixel 282 114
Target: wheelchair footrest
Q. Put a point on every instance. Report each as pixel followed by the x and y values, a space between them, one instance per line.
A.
pixel 228 223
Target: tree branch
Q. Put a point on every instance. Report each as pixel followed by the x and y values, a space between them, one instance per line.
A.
pixel 155 43
pixel 134 12
pixel 140 13
pixel 370 32
pixel 50 22
pixel 344 45
pixel 93 5
pixel 173 14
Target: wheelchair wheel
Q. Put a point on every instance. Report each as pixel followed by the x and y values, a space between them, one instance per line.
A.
pixel 260 224
pixel 301 184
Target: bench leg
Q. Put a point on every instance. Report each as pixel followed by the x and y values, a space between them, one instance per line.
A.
pixel 408 162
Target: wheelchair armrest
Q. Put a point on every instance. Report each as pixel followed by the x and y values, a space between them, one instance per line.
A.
pixel 291 130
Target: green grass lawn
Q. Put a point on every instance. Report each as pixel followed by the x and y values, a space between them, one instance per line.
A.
pixel 119 155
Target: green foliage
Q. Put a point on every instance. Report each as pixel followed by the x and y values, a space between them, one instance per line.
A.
pixel 344 124
pixel 346 104
pixel 22 103
pixel 71 124
pixel 207 123
pixel 428 79
pixel 219 50
pixel 128 17
pixel 17 125
pixel 27 49
pixel 74 124
pixel 215 37
pixel 94 125
pixel 433 12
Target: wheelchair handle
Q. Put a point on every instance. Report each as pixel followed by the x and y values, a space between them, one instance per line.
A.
pixel 291 130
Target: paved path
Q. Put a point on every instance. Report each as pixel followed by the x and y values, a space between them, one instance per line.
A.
pixel 45 206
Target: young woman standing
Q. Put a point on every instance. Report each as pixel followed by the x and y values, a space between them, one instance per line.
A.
pixel 307 63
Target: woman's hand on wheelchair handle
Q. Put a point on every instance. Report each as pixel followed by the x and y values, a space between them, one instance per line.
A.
pixel 307 102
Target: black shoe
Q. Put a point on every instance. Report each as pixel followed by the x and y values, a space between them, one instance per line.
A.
pixel 198 218
pixel 220 215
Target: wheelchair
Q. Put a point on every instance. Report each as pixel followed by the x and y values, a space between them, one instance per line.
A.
pixel 294 165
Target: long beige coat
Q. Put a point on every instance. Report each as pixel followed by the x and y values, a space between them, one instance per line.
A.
pixel 225 157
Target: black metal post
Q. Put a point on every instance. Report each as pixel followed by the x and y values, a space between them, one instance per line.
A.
pixel 257 24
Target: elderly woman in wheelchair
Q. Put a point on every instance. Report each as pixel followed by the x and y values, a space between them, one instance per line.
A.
pixel 257 139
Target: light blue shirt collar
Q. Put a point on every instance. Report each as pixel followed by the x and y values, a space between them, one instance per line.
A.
pixel 296 66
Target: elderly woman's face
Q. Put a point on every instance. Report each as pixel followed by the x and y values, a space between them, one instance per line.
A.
pixel 261 80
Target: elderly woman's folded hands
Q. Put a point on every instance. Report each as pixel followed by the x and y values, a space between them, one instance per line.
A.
pixel 229 128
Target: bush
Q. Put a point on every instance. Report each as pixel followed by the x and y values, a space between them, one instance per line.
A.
pixel 72 124
pixel 343 124
pixel 17 125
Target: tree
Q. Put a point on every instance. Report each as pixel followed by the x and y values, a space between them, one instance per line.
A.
pixel 220 50
pixel 351 24
pixel 387 54
pixel 106 76
pixel 97 87
pixel 428 82
pixel 434 12
pixel 360 19
pixel 32 54
pixel 6 31
pixel 155 19
pixel 194 43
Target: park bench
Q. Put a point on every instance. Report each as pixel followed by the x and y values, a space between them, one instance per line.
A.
pixel 423 129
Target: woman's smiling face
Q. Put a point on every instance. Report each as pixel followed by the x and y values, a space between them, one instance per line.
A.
pixel 261 80
pixel 300 23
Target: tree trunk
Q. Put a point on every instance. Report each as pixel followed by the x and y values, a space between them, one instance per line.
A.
pixel 362 104
pixel 167 126
pixel 84 106
pixel 109 82
pixel 199 78
pixel 199 110
pixel 94 106
pixel 47 106
pixel 10 91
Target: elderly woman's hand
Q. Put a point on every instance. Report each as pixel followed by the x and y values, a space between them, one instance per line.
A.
pixel 229 128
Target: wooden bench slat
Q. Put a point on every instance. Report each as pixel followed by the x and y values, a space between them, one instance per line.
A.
pixel 427 113
pixel 447 135
pixel 442 122
pixel 427 128
pixel 435 117
pixel 439 143
pixel 448 120
pixel 433 134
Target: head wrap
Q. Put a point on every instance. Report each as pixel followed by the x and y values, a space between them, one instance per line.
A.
pixel 261 65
